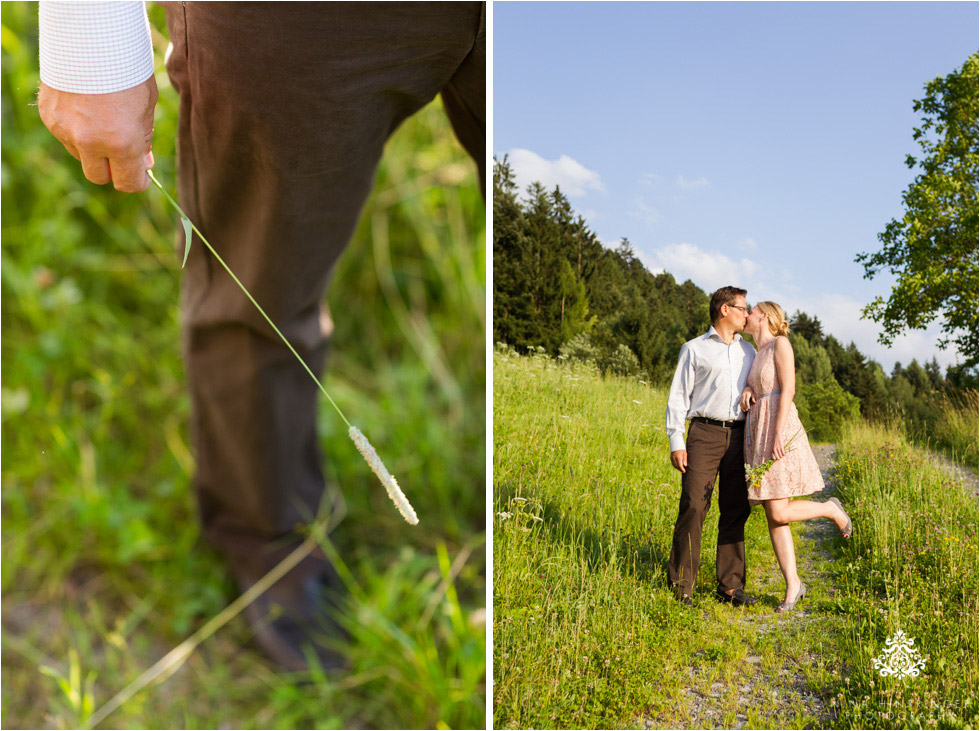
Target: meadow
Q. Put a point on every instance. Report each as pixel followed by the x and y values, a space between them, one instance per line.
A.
pixel 103 567
pixel 588 635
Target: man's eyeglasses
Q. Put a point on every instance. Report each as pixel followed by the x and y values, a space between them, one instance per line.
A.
pixel 745 310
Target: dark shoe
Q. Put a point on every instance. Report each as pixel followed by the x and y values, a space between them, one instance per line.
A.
pixel 737 598
pixel 686 600
pixel 295 618
pixel 786 606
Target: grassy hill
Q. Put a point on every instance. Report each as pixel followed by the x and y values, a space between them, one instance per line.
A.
pixel 587 633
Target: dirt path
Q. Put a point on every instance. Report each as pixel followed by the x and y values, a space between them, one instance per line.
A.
pixel 959 471
pixel 761 681
pixel 766 686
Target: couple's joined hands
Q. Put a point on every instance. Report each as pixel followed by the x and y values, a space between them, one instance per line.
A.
pixel 110 134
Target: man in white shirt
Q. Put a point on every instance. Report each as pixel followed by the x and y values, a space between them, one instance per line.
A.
pixel 285 109
pixel 711 373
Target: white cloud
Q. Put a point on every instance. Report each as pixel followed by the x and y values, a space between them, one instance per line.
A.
pixel 840 316
pixel 649 262
pixel 747 244
pixel 650 178
pixel 573 177
pixel 686 184
pixel 707 269
pixel 639 209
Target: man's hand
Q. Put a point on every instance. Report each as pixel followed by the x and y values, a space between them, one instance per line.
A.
pixel 679 460
pixel 110 134
pixel 747 398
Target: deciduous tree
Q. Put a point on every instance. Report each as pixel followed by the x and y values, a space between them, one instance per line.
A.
pixel 932 249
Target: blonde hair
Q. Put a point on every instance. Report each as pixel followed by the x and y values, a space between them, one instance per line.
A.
pixel 777 319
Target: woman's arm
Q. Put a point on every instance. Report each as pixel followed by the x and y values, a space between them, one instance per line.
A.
pixel 786 375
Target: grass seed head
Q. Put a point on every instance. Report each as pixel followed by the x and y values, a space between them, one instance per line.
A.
pixel 378 467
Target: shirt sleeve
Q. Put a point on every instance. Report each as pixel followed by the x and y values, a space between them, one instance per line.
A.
pixel 94 47
pixel 679 398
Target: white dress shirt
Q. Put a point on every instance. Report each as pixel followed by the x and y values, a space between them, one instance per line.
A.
pixel 709 379
pixel 94 47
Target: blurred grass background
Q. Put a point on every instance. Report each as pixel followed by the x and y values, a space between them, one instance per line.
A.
pixel 103 569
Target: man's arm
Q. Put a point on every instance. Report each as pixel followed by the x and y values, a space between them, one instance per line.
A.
pixel 678 405
pixel 97 92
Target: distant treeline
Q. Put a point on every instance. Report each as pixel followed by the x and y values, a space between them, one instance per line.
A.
pixel 555 285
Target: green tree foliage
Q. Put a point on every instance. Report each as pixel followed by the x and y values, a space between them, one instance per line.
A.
pixel 824 408
pixel 574 304
pixel 933 248
pixel 807 327
pixel 581 349
pixel 555 281
pixel 513 305
pixel 812 361
pixel 621 362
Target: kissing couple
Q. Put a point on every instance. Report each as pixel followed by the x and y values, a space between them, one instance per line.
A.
pixel 740 404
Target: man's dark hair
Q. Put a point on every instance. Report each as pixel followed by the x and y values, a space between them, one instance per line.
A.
pixel 723 296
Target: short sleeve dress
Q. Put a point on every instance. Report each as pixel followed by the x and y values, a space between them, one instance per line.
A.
pixel 797 473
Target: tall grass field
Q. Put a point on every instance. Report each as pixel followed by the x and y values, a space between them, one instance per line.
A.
pixel 103 567
pixel 588 635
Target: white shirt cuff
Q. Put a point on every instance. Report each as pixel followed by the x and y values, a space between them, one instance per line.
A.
pixel 94 47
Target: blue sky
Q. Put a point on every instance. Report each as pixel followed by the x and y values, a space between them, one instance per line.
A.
pixel 758 143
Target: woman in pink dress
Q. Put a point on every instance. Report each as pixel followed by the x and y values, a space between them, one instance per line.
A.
pixel 774 431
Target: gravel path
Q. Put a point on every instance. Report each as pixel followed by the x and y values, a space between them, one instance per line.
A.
pixel 770 680
pixel 959 471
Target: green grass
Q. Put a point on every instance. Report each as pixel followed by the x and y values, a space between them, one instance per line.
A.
pixel 103 568
pixel 913 567
pixel 587 633
pixel 955 430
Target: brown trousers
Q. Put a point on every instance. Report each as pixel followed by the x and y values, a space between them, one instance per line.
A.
pixel 711 451
pixel 284 112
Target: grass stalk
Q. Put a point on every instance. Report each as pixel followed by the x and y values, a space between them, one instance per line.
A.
pixel 170 662
pixel 189 225
pixel 360 441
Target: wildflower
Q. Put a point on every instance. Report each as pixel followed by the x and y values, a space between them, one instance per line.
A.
pixel 505 516
pixel 754 475
pixel 638 403
pixel 535 517
pixel 378 467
